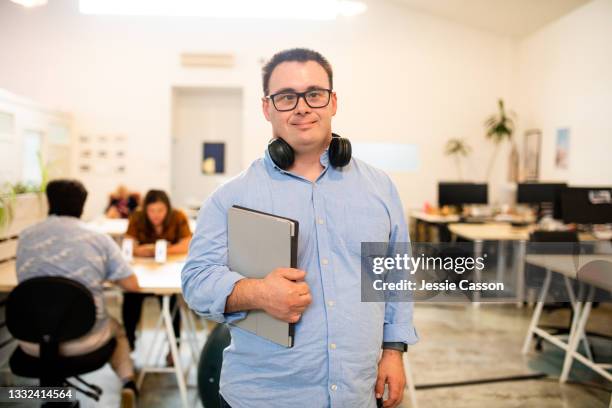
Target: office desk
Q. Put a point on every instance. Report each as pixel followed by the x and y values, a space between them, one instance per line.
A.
pixel 424 219
pixel 165 280
pixel 503 232
pixel 116 227
pixel 159 279
pixel 567 266
pixel 8 276
pixel 500 232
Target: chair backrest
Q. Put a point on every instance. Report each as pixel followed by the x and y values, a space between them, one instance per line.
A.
pixel 50 309
pixel 553 236
pixel 554 242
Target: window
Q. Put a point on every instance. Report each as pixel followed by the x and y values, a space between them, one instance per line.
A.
pixel 398 157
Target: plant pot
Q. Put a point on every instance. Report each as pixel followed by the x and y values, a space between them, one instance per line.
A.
pixel 27 209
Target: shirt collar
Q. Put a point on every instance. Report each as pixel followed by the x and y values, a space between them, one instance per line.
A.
pixel 324 159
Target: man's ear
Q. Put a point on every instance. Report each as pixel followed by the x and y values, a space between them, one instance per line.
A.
pixel 334 103
pixel 265 106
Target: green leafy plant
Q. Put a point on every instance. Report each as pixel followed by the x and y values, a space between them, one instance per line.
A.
pixel 24 188
pixel 499 127
pixel 7 196
pixel 458 149
pixel 9 191
pixel 44 172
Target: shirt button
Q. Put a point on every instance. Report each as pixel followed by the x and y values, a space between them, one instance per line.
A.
pixel 334 387
pixel 331 303
pixel 320 220
pixel 333 346
pixel 324 261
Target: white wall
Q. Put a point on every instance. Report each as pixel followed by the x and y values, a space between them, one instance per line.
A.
pixel 30 117
pixel 401 76
pixel 203 115
pixel 565 73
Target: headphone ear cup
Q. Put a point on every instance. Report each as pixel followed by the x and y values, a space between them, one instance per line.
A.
pixel 340 151
pixel 281 153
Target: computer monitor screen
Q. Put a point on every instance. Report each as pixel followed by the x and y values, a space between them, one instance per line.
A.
pixel 587 205
pixel 537 193
pixel 461 193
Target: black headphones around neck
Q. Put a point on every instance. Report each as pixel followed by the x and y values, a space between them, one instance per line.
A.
pixel 283 156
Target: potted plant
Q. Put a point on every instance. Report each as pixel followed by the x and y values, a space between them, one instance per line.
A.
pixel 458 149
pixel 7 196
pixel 499 127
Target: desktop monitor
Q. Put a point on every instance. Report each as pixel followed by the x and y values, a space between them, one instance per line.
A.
pixel 587 205
pixel 536 193
pixel 462 193
pixel 541 193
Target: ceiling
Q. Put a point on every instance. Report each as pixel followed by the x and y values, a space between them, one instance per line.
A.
pixel 516 18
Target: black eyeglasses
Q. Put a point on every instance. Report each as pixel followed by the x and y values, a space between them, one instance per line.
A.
pixel 286 101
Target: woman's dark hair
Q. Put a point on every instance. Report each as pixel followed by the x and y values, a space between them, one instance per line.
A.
pixel 155 196
pixel 66 197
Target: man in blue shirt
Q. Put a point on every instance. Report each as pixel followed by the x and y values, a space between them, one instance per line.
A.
pixel 336 360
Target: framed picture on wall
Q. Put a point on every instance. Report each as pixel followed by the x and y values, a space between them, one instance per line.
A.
pixel 213 158
pixel 531 156
pixel 562 148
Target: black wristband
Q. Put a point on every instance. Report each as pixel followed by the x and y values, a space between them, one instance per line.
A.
pixel 391 345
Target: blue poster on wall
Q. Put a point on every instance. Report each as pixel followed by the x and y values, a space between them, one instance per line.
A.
pixel 562 149
pixel 213 158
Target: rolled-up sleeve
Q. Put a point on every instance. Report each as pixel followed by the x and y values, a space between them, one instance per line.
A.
pixel 398 326
pixel 206 279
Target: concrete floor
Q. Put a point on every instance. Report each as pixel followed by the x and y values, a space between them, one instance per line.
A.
pixel 458 343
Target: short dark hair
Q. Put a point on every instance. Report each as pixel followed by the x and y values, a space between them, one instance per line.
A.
pixel 298 55
pixel 66 197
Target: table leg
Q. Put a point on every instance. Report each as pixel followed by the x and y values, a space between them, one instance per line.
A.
pixel 572 298
pixel 537 312
pixel 174 349
pixel 477 272
pixel 410 382
pixel 147 360
pixel 501 261
pixel 191 336
pixel 520 273
pixel 581 315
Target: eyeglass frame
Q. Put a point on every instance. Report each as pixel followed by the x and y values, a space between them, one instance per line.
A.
pixel 301 95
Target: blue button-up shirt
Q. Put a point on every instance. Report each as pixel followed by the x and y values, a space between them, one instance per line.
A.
pixel 62 246
pixel 338 339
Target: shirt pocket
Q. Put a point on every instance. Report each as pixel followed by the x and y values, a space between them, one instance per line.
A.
pixel 364 223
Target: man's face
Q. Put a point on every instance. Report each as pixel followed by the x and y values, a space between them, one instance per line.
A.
pixel 304 128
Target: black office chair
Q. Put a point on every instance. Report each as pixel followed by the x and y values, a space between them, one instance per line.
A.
pixel 209 368
pixel 49 311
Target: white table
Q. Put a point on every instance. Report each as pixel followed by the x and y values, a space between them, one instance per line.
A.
pixel 116 227
pixel 165 280
pixel 568 265
pixel 159 279
pixel 502 233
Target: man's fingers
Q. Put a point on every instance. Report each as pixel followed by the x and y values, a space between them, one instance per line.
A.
pixel 396 391
pixel 303 288
pixel 293 274
pixel 294 317
pixel 304 300
pixel 379 388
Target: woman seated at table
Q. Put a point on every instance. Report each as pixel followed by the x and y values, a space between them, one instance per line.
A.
pixel 157 220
